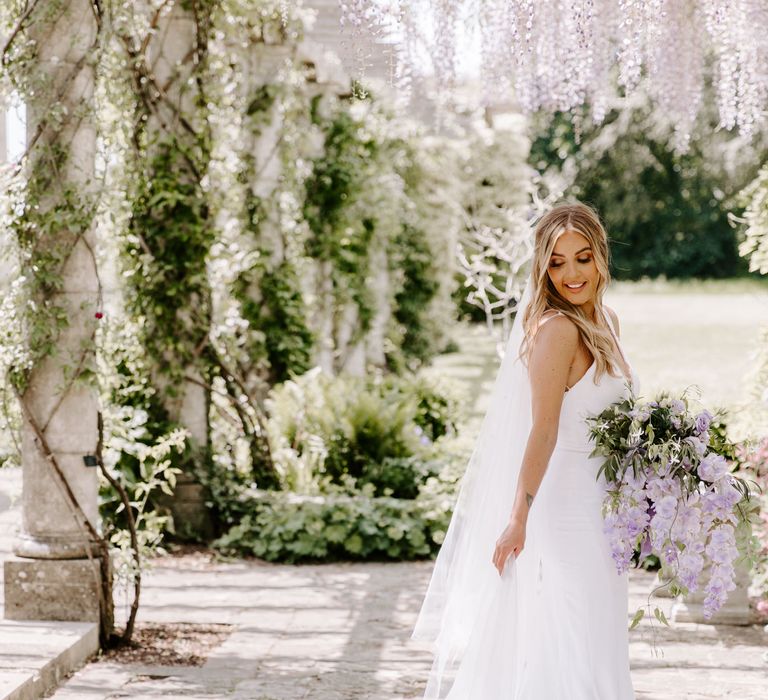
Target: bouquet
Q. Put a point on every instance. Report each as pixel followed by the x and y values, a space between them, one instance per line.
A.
pixel 671 492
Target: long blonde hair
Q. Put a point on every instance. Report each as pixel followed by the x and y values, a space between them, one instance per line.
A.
pixel 578 217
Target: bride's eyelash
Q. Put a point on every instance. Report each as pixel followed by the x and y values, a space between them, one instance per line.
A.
pixel 581 260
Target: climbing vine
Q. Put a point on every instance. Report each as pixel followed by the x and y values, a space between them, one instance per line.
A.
pixel 243 223
pixel 338 177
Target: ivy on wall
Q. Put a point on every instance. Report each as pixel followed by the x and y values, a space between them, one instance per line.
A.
pixel 338 177
pixel 280 315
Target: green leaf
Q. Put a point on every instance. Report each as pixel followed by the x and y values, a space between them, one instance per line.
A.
pixel 660 616
pixel 354 544
pixel 636 619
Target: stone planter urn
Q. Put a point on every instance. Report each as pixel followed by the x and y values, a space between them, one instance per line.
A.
pixel 735 611
pixel 660 584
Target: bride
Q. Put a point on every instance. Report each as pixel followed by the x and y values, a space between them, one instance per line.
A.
pixel 525 602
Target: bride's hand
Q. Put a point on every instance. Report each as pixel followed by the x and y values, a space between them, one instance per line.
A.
pixel 511 541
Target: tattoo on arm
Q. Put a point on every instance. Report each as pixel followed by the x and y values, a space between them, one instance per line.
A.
pixel 529 499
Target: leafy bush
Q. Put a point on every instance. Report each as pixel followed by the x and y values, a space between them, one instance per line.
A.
pixel 369 467
pixel 413 258
pixel 328 430
pixel 667 213
pixel 288 527
pixel 397 477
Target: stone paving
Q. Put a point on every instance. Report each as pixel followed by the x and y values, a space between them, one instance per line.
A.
pixel 341 632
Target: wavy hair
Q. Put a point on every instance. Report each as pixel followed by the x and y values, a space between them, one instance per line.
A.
pixel 578 217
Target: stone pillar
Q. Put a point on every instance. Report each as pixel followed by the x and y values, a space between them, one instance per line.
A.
pixel 3 137
pixel 56 574
pixel 170 58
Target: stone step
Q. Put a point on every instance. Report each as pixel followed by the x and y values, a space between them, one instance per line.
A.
pixel 36 656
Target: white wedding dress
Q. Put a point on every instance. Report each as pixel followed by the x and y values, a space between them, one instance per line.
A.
pixel 555 624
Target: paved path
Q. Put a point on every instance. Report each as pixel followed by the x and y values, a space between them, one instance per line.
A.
pixel 340 632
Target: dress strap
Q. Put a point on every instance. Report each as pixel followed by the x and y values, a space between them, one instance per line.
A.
pixel 546 318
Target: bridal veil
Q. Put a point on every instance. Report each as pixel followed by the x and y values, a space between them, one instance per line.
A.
pixel 464 582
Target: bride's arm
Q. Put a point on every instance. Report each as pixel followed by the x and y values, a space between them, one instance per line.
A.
pixel 552 354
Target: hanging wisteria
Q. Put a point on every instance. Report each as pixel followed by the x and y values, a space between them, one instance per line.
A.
pixel 559 54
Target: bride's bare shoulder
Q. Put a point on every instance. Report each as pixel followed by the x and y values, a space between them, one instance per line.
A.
pixel 554 328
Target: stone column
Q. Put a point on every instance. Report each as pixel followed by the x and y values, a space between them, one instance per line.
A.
pixel 3 137
pixel 171 61
pixel 56 574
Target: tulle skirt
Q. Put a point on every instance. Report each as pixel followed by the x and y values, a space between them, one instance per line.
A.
pixel 556 624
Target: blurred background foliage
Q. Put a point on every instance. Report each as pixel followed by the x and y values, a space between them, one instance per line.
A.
pixel 668 214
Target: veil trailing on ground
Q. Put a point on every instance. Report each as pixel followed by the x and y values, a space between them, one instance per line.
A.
pixel 464 581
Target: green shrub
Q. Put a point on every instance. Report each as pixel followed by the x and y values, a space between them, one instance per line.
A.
pixel 328 430
pixel 369 468
pixel 667 213
pixel 437 405
pixel 286 527
pixel 398 477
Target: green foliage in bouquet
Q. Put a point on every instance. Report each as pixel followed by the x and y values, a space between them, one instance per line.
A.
pixel 629 434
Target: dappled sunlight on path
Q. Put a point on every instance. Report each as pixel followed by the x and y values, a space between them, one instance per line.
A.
pixel 341 632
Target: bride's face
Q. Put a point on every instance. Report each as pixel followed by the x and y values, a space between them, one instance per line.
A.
pixel 572 268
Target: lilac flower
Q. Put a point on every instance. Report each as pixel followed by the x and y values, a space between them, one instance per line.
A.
pixel 614 529
pixel 691 566
pixel 666 508
pixel 636 520
pixel 669 555
pixel 634 482
pixel 639 414
pixel 722 551
pixel 657 487
pixel 646 549
pixel 718 501
pixel 687 525
pixel 654 506
pixel 677 407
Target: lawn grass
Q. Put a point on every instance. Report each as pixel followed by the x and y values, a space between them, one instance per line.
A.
pixel 699 334
pixel 739 285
